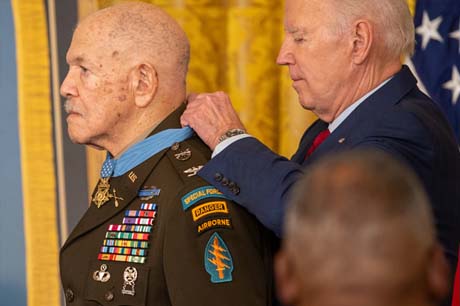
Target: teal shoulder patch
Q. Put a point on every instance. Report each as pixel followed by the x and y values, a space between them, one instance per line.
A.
pixel 199 194
pixel 218 260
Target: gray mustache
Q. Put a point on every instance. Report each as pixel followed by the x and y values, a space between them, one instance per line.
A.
pixel 69 107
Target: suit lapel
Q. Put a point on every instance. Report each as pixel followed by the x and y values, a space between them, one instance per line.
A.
pixel 349 131
pixel 307 140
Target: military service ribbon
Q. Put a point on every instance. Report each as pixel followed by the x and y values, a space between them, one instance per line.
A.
pixel 129 228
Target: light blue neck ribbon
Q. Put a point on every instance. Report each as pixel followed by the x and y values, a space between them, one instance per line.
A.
pixel 143 150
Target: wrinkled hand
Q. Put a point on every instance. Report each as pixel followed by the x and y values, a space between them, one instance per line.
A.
pixel 210 115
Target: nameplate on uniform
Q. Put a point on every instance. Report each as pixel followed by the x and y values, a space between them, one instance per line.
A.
pixel 209 208
pixel 199 194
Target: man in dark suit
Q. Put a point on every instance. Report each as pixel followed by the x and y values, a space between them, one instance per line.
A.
pixel 344 58
pixel 364 236
pixel 155 233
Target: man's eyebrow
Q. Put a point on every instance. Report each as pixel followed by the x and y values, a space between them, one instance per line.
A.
pixel 76 60
pixel 292 30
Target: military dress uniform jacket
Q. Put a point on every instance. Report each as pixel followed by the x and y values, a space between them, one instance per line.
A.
pixel 202 249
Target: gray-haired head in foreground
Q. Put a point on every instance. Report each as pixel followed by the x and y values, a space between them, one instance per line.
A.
pixel 359 223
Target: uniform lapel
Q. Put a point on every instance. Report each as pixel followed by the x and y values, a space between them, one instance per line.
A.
pixel 126 186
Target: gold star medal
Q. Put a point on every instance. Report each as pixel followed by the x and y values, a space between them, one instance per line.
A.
pixel 102 195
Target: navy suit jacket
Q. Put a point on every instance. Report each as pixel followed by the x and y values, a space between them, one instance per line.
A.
pixel 398 119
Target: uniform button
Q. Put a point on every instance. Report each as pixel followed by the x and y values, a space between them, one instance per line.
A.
pixel 231 185
pixel 69 295
pixel 218 177
pixel 224 181
pixel 108 296
pixel 236 190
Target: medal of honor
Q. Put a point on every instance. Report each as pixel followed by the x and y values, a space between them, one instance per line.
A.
pixel 103 192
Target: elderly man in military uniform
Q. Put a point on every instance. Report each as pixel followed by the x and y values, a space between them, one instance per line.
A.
pixel 154 233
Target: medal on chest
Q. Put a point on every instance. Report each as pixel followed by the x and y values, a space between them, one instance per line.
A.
pixel 103 194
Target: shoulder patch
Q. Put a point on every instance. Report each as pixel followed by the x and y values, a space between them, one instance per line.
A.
pixel 199 194
pixel 208 208
pixel 213 223
pixel 218 261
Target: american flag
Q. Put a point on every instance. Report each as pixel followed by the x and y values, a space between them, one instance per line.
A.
pixel 437 54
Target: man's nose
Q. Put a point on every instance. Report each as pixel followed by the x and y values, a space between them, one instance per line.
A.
pixel 68 88
pixel 285 56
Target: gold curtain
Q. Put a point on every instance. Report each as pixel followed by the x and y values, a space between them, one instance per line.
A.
pixel 37 158
pixel 234 48
pixel 411 4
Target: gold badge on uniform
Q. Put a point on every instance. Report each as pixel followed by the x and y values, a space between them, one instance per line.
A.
pixel 103 194
pixel 132 176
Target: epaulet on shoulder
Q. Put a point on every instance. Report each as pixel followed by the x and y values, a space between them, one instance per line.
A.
pixel 188 157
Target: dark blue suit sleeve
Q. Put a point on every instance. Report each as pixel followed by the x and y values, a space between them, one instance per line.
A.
pixel 418 138
pixel 264 178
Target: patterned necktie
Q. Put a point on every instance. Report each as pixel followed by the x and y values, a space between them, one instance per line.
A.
pixel 317 141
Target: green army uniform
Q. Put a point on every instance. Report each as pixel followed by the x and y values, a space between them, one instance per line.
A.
pixel 166 237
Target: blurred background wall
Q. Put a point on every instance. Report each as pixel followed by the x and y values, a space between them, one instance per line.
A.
pixel 45 180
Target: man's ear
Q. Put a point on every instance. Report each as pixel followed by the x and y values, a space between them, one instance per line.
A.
pixel 287 283
pixel 438 274
pixel 144 81
pixel 363 36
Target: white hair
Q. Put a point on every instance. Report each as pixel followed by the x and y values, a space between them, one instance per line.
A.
pixel 392 18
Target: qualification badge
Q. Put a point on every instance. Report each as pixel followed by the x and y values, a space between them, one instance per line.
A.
pixel 102 275
pixel 129 277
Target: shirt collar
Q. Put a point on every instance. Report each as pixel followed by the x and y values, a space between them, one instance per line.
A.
pixel 344 115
